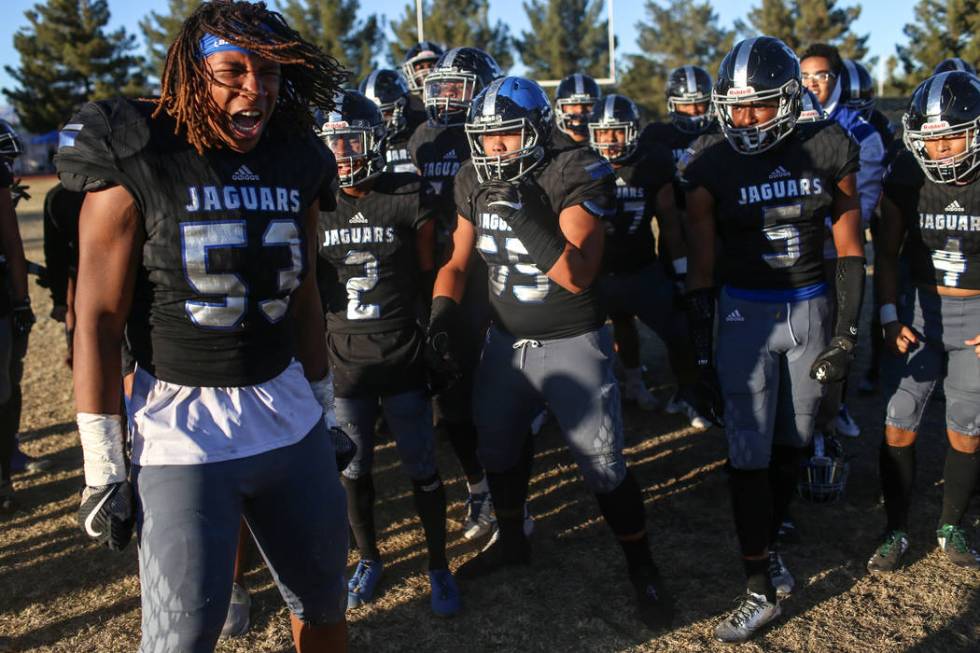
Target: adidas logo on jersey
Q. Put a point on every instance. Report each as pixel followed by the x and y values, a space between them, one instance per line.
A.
pixel 358 219
pixel 450 156
pixel 954 206
pixel 244 174
pixel 735 316
pixel 779 173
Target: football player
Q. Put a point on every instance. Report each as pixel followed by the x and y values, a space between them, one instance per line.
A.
pixel 533 213
pixel 375 246
pixel 825 73
pixel 418 62
pixel 633 284
pixel 439 148
pixel 403 112
pixel 575 97
pixel 16 316
pixel 930 214
pixel 763 189
pixel 196 234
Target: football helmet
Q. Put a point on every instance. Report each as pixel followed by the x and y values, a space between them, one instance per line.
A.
pixel 458 76
pixel 388 90
pixel 810 109
pixel 857 89
pixel 509 105
pixel 689 85
pixel 573 90
pixel 947 104
pixel 355 132
pixel 758 69
pixel 10 143
pixel 423 52
pixel 615 112
pixel 953 63
pixel 823 477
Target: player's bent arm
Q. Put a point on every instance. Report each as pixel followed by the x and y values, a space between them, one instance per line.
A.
pixel 701 230
pixel 109 242
pixel 311 348
pixel 13 247
pixel 669 223
pixel 846 218
pixel 451 278
pixel 577 267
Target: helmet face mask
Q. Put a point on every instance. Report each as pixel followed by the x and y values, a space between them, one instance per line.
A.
pixel 510 106
pixel 857 88
pixel 823 477
pixel 690 123
pixel 448 95
pixel 758 71
pixel 419 60
pixel 575 99
pixel 618 117
pixel 10 144
pixel 689 86
pixel 945 106
pixel 810 109
pixel 356 134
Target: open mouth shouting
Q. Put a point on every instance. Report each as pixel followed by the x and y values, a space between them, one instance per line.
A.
pixel 247 124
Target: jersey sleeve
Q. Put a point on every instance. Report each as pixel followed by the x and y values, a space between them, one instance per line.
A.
pixel 427 207
pixel 902 179
pixel 6 174
pixel 657 167
pixel 587 180
pixel 93 143
pixel 844 151
pixel 464 187
pixel 694 167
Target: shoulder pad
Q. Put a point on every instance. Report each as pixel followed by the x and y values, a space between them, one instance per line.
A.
pixel 464 188
pixel 93 143
pixel 904 170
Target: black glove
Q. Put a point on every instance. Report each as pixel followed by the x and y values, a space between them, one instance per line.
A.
pixel 22 318
pixel 343 447
pixel 708 400
pixel 106 514
pixel 544 244
pixel 441 342
pixel 18 191
pixel 833 362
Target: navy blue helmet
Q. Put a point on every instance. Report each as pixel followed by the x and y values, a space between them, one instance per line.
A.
pixel 10 143
pixel 458 76
pixel 954 63
pixel 419 59
pixel 856 87
pixel 356 133
pixel 575 90
pixel 689 85
pixel 388 90
pixel 509 105
pixel 614 113
pixel 810 109
pixel 945 105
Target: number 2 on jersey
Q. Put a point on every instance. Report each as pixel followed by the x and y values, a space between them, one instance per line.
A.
pixel 197 238
pixel 357 286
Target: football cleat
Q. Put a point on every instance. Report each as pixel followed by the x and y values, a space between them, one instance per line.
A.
pixel 528 528
pixel 364 582
pixel 8 503
pixel 479 515
pixel 888 556
pixel 845 424
pixel 779 575
pixel 680 406
pixel 753 611
pixel 635 391
pixel 237 619
pixel 445 593
pixel 654 605
pixel 953 541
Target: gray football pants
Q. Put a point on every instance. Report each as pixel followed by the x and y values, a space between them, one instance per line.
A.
pixel 574 377
pixel 944 323
pixel 765 351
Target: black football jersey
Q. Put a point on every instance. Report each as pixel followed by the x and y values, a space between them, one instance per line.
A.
pixel 438 153
pixel 224 242
pixel 770 207
pixel 6 173
pixel 368 267
pixel 397 153
pixel 942 222
pixel 665 134
pixel 524 301
pixel 630 243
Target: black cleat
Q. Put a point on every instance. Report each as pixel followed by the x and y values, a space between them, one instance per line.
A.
pixel 493 558
pixel 654 605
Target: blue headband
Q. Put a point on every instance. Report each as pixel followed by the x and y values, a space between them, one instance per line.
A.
pixel 212 44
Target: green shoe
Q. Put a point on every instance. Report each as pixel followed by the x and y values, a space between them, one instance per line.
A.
pixel 889 555
pixel 952 540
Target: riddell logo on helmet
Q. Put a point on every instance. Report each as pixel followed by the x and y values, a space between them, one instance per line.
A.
pixel 933 126
pixel 338 124
pixel 740 92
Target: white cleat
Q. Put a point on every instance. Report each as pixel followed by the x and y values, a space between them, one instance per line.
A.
pixel 752 613
pixel 479 516
pixel 779 575
pixel 680 406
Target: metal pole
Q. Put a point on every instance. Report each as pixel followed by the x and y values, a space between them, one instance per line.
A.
pixel 612 45
pixel 418 19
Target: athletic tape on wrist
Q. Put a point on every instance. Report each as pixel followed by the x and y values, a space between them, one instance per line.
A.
pixel 323 391
pixel 102 448
pixel 888 313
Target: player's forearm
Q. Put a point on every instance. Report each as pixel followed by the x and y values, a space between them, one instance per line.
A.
pixel 450 282
pixel 97 361
pixel 576 269
pixel 13 248
pixel 701 226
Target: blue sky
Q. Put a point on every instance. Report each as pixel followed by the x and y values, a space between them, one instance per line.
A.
pixel 882 20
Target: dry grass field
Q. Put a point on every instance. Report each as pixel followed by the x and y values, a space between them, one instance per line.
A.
pixel 59 593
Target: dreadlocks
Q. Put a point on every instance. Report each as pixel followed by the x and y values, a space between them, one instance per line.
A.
pixel 310 77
